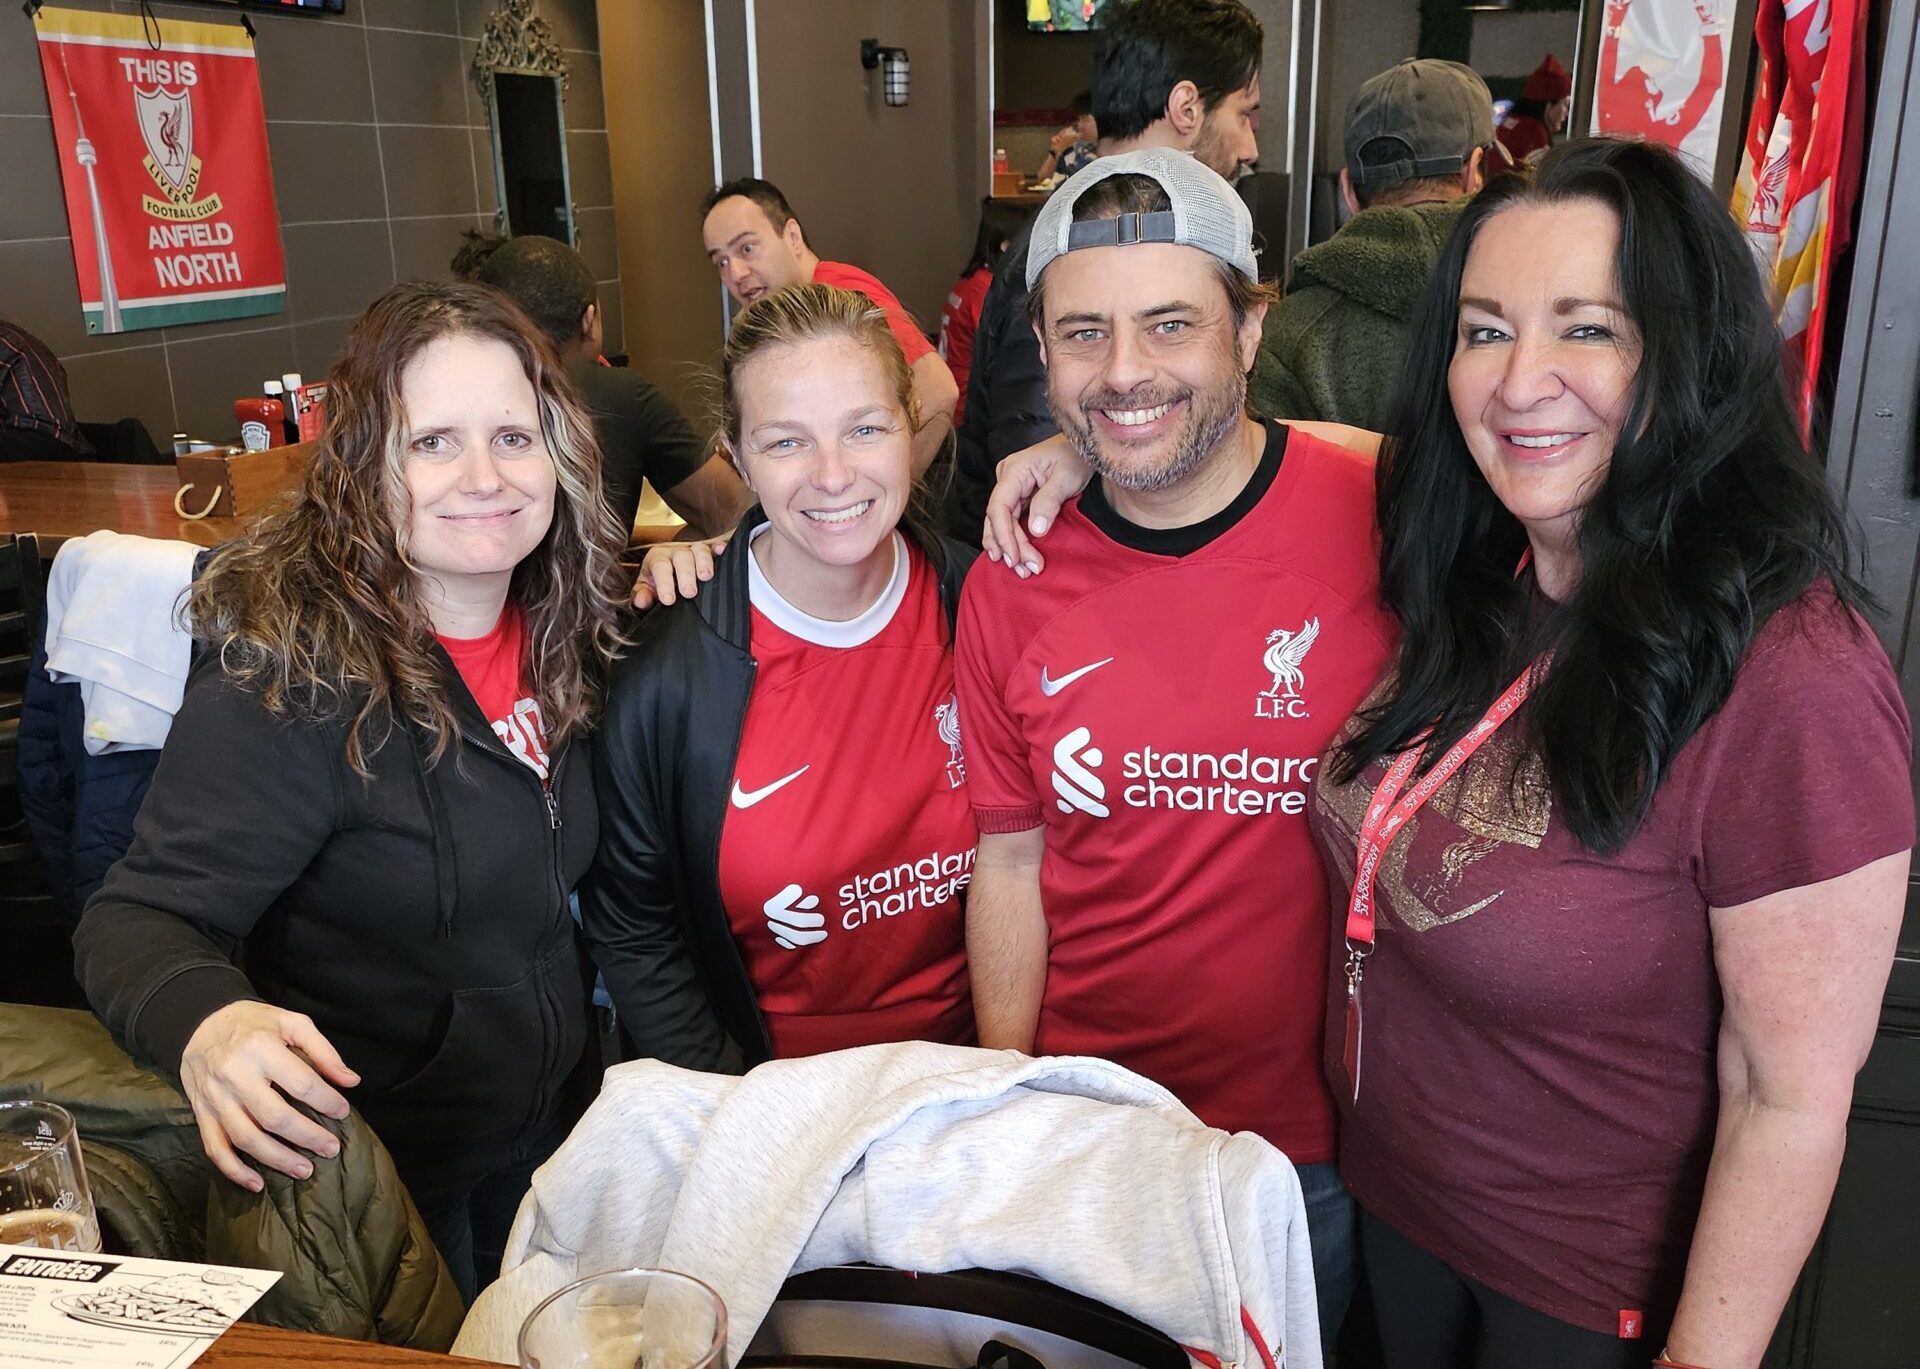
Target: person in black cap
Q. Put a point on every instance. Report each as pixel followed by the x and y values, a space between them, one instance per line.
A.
pixel 1417 135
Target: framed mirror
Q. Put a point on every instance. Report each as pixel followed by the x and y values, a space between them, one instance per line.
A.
pixel 521 75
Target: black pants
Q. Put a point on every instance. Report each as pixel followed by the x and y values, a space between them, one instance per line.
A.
pixel 1433 1317
pixel 470 1223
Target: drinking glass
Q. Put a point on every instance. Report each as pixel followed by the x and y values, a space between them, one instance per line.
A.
pixel 627 1319
pixel 43 1186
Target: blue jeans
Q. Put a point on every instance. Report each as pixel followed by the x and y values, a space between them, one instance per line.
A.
pixel 1330 1231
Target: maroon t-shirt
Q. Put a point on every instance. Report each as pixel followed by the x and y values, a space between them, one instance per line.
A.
pixel 1538 1094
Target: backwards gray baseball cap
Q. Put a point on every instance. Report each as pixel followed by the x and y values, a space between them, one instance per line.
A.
pixel 1420 117
pixel 1207 213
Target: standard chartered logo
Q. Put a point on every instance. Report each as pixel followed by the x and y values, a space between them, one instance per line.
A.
pixel 910 886
pixel 791 919
pixel 1078 787
pixel 1239 783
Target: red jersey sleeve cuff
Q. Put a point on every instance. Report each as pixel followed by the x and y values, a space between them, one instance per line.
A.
pixel 995 821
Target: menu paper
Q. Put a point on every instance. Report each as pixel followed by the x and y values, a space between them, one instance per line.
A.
pixel 62 1310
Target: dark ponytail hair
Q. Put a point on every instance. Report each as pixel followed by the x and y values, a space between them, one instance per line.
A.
pixel 1712 516
pixel 1000 222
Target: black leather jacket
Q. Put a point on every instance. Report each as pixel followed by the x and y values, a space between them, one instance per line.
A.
pixel 664 760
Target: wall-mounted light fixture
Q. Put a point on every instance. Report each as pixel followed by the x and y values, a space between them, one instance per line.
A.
pixel 893 69
pixel 1487 6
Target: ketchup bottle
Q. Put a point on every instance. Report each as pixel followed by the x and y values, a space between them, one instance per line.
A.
pixel 262 420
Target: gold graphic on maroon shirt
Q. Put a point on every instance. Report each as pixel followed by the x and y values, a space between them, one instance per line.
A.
pixel 1500 798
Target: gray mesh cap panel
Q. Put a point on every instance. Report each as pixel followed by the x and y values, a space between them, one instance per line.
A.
pixel 1207 212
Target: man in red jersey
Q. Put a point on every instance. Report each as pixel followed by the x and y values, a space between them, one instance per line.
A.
pixel 1144 722
pixel 757 245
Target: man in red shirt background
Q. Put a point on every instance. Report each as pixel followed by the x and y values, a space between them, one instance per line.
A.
pixel 1143 723
pixel 757 245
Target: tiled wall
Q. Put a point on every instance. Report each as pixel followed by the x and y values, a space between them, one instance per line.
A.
pixel 381 156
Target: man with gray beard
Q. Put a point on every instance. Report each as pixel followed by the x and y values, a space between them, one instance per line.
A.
pixel 1143 722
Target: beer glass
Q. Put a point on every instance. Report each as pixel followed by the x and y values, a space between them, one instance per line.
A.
pixel 627 1319
pixel 43 1187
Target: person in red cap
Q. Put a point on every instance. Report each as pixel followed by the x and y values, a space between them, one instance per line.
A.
pixel 1539 113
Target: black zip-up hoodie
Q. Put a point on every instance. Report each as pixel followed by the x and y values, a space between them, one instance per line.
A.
pixel 419 918
pixel 663 765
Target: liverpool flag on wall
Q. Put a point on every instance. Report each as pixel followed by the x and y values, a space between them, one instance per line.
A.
pixel 163 157
pixel 1800 169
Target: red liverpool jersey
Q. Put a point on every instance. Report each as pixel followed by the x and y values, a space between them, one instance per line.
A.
pixel 848 841
pixel 1162 716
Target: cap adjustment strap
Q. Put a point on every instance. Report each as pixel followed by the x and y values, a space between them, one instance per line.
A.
pixel 1122 231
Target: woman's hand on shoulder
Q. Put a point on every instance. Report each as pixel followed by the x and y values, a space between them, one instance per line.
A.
pixel 241 1065
pixel 674 570
pixel 1035 482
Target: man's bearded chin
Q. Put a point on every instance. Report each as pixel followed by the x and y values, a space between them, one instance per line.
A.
pixel 1211 416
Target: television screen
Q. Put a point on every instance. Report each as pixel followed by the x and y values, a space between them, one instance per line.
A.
pixel 1065 16
pixel 323 6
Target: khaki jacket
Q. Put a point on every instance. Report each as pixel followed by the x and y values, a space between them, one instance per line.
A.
pixel 354 1256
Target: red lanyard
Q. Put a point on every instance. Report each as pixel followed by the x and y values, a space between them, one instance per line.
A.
pixel 1388 812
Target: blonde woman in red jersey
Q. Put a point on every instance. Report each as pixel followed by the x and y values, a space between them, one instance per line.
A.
pixel 785 833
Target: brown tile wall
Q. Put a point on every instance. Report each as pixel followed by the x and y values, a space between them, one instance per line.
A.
pixel 381 156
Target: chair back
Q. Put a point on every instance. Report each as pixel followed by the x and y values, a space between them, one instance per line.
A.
pixel 969 1319
pixel 41 957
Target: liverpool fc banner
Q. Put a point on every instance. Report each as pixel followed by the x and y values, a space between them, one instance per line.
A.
pixel 163 156
pixel 1662 74
pixel 1800 169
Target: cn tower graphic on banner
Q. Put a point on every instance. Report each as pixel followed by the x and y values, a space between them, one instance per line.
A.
pixel 163 155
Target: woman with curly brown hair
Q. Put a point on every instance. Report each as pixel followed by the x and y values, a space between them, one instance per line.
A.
pixel 377 795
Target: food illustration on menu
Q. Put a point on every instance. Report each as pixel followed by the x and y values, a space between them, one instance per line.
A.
pixel 202 1304
pixel 68 1309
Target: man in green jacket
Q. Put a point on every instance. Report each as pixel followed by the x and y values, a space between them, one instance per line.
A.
pixel 1331 349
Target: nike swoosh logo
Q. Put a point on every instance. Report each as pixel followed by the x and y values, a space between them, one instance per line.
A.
pixel 746 798
pixel 1053 687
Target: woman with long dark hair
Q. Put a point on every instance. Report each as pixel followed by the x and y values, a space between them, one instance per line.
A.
pixel 1623 836
pixel 349 882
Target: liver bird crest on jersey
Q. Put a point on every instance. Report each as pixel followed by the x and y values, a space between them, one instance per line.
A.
pixel 1284 657
pixel 947 719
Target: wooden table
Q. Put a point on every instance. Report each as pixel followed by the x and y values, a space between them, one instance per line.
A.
pixel 246 1346
pixel 62 499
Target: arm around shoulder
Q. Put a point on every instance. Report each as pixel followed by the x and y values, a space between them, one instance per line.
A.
pixel 935 393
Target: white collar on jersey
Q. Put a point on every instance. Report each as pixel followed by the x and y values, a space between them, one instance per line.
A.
pixel 823 631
